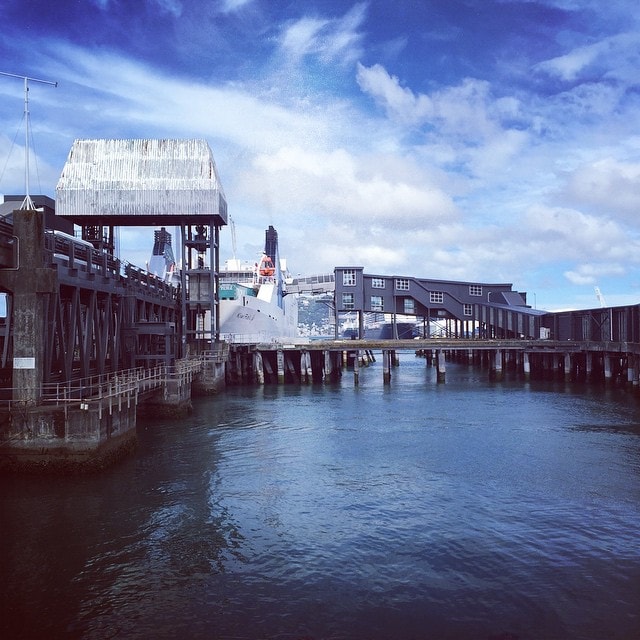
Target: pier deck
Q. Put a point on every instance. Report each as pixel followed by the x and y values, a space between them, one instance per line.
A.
pixel 323 360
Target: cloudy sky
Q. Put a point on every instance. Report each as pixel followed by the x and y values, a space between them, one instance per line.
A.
pixel 485 140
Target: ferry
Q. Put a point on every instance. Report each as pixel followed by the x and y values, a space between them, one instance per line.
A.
pixel 254 303
pixel 253 300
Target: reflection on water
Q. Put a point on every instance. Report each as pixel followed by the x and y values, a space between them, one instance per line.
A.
pixel 466 510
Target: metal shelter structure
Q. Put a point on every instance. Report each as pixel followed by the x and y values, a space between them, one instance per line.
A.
pixel 107 183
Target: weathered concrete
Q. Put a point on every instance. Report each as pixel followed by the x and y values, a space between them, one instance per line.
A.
pixel 28 283
pixel 54 439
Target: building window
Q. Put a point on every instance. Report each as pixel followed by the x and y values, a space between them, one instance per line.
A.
pixel 377 283
pixel 467 309
pixel 402 284
pixel 348 302
pixel 349 278
pixel 475 290
pixel 376 303
pixel 436 297
pixel 409 306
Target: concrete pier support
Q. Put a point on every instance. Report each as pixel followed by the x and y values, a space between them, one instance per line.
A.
pixel 328 366
pixel 305 366
pixel 29 282
pixel 75 437
pixel 631 369
pixel 386 367
pixel 258 367
pixel 497 364
pixel 589 364
pixel 567 367
pixel 356 368
pixel 442 366
pixel 608 370
pixel 526 365
pixel 280 365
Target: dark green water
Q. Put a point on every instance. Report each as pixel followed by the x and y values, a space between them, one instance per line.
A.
pixel 469 510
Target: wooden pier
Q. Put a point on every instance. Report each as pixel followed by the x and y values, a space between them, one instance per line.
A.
pixel 325 361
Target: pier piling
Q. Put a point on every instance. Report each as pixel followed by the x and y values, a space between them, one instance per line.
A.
pixel 386 366
pixel 442 366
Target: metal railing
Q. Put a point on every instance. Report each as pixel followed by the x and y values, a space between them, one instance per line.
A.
pixel 111 387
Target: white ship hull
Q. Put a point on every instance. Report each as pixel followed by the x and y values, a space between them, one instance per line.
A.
pixel 253 303
pixel 250 320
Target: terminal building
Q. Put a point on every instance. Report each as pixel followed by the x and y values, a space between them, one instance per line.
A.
pixel 464 309
pixel 476 309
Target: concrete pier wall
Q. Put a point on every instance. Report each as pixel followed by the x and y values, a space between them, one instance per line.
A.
pixel 55 439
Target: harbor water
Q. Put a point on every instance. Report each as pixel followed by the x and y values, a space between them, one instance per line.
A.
pixel 471 510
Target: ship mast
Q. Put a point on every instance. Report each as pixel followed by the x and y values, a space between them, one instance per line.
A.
pixel 27 203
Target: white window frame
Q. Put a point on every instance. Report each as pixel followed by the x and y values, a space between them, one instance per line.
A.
pixel 349 278
pixel 402 284
pixel 377 283
pixel 377 303
pixel 475 290
pixel 348 301
pixel 436 297
pixel 409 306
pixel 467 309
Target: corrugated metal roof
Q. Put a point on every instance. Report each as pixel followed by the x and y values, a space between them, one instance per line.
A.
pixel 140 178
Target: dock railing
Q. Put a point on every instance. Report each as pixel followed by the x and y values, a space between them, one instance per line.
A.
pixel 112 387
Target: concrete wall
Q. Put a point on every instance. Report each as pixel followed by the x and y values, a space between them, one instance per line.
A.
pixel 72 440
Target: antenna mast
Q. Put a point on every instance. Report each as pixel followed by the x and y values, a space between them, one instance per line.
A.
pixel 27 203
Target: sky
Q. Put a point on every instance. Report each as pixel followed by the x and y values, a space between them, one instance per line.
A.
pixel 473 140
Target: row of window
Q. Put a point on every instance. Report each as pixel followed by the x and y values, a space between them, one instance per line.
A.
pixel 401 284
pixel 377 303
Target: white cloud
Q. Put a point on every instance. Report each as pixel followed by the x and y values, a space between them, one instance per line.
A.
pixel 591 274
pixel 463 124
pixel 614 57
pixel 607 185
pixel 333 41
pixel 466 111
pixel 172 7
pixel 340 185
pixel 12 170
pixel 230 6
pixel 143 102
pixel 560 234
pixel 300 38
pixel 399 103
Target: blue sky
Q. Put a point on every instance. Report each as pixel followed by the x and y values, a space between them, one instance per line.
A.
pixel 490 140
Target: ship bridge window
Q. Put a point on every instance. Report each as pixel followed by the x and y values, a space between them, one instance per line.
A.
pixel 349 278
